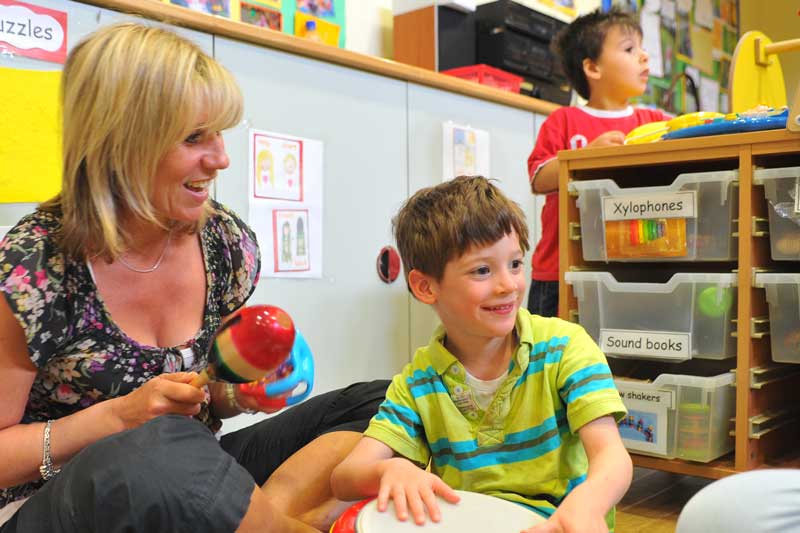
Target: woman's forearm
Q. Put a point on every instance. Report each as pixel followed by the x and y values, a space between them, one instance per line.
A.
pixel 22 445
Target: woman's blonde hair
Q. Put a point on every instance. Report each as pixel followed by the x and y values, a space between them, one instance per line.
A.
pixel 130 93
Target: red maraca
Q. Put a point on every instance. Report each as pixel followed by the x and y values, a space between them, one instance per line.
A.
pixel 253 343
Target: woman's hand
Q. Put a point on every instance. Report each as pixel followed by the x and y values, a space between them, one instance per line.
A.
pixel 164 394
pixel 246 401
pixel 412 489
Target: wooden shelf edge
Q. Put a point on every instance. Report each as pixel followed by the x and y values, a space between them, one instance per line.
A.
pixel 714 470
pixel 241 31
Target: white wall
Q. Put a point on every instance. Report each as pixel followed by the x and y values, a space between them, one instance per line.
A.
pixel 369 27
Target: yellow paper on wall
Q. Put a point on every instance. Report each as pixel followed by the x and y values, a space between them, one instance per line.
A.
pixel 328 31
pixel 30 133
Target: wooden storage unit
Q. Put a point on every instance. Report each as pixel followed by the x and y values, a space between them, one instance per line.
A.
pixel 767 426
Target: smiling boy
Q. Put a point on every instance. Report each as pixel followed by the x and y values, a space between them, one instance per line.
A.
pixel 500 402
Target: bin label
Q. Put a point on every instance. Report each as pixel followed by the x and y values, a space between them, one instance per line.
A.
pixel 681 204
pixel 649 344
pixel 645 428
pixel 796 196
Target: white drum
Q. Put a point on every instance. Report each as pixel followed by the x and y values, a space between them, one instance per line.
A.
pixel 475 512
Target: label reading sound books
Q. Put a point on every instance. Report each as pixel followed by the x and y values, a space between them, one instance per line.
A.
pixel 682 204
pixel 649 344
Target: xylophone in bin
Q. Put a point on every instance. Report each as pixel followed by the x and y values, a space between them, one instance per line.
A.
pixel 259 348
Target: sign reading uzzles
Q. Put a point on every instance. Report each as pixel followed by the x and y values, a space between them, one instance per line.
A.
pixel 32 31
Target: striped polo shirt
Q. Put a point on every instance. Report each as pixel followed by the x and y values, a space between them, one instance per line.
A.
pixel 524 447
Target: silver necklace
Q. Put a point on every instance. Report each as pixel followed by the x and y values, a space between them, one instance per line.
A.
pixel 152 268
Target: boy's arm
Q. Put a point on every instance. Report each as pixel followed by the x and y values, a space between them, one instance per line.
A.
pixel 546 179
pixel 371 469
pixel 359 475
pixel 609 476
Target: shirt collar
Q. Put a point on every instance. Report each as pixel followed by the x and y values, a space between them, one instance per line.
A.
pixel 441 358
pixel 607 113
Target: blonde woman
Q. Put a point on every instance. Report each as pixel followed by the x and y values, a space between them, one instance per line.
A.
pixel 112 291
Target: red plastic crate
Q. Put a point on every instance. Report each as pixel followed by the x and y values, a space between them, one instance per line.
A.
pixel 486 75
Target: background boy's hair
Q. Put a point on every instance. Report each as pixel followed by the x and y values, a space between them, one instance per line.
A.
pixel 584 38
pixel 438 224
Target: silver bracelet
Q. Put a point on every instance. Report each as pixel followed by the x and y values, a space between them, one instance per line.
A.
pixel 233 402
pixel 46 469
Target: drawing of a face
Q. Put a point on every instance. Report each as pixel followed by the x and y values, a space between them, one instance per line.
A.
pixel 290 164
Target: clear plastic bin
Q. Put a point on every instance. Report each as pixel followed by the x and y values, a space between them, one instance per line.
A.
pixel 688 417
pixel 784 224
pixel 612 230
pixel 689 316
pixel 783 297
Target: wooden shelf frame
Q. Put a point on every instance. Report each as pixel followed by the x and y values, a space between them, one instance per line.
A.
pixel 740 151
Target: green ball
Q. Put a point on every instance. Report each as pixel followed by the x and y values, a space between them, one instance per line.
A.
pixel 714 302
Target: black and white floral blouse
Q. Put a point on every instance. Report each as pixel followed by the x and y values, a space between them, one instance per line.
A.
pixel 81 355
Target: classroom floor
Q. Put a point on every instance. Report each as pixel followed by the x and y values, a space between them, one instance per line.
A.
pixel 655 500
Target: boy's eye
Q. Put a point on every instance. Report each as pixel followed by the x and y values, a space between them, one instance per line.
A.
pixel 516 264
pixel 481 271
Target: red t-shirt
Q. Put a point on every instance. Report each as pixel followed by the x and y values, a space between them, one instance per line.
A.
pixel 569 128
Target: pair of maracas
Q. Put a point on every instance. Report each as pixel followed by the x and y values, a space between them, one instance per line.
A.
pixel 259 348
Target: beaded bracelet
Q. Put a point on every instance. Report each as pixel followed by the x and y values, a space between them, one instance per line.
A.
pixel 233 401
pixel 46 469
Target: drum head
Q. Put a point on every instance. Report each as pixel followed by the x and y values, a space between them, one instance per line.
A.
pixel 475 512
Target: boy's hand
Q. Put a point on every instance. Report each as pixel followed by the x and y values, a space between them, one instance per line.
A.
pixel 412 489
pixel 570 520
pixel 609 138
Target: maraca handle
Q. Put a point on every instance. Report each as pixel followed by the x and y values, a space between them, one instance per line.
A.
pixel 201 380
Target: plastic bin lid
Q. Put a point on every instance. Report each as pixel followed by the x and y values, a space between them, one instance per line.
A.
pixel 687 178
pixel 760 175
pixel 700 382
pixel 611 283
pixel 774 278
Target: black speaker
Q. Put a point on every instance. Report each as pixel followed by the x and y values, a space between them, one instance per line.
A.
pixel 457 46
pixel 516 38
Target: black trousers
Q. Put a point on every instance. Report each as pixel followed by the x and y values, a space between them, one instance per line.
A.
pixel 543 298
pixel 171 474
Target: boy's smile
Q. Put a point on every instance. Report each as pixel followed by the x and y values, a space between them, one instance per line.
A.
pixel 479 294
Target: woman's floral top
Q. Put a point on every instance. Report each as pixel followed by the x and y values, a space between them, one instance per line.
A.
pixel 81 355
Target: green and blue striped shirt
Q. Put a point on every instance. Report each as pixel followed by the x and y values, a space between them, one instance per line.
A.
pixel 524 447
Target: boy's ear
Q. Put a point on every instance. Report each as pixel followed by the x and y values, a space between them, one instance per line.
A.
pixel 591 69
pixel 423 286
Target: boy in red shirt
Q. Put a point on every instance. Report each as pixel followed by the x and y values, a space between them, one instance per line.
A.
pixel 604 61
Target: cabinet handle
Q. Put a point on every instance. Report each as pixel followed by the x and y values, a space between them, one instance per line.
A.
pixel 764 375
pixel 759 227
pixel 574 231
pixel 759 327
pixel 771 420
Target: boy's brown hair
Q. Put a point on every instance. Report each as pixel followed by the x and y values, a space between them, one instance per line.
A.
pixel 439 224
pixel 584 38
